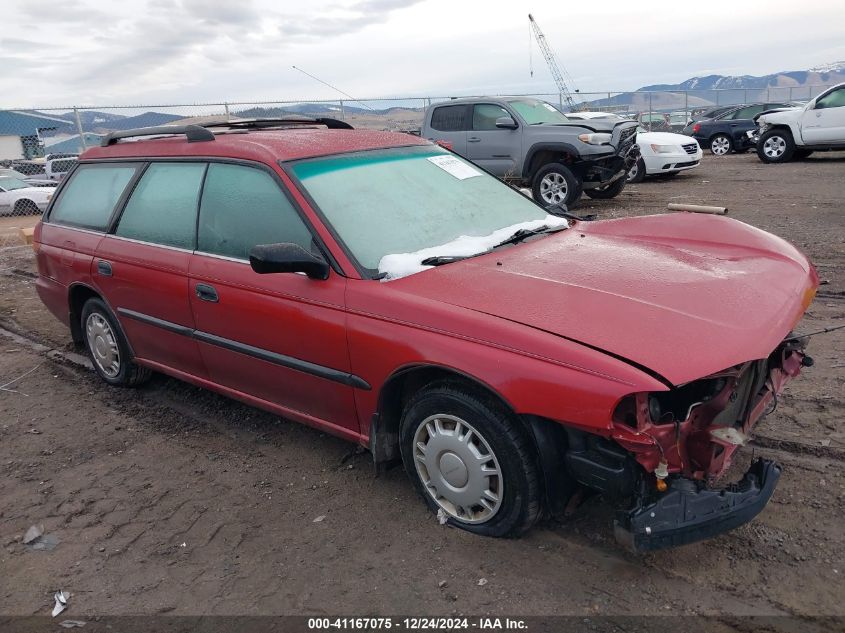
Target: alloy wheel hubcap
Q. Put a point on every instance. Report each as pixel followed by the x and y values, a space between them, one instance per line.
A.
pixel 720 146
pixel 774 147
pixel 103 345
pixel 632 173
pixel 458 468
pixel 553 188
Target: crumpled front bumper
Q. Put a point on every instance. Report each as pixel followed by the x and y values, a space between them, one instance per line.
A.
pixel 687 513
pixel 609 169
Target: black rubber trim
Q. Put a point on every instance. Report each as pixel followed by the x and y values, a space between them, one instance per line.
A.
pixel 335 375
pixel 150 320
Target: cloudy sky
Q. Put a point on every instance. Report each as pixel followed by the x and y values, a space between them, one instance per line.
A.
pixel 85 52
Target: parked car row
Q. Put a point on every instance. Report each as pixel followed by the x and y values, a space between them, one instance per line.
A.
pixel 50 169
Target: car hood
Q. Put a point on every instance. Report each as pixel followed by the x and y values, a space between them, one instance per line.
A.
pixel 681 295
pixel 39 193
pixel 663 138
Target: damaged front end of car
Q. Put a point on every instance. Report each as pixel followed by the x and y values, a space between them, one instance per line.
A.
pixel 667 450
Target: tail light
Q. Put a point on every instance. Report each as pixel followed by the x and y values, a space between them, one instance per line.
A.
pixel 696 128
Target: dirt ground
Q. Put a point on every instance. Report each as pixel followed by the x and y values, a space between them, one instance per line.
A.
pixel 171 500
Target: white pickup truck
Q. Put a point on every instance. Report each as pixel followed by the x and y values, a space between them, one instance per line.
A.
pixel 798 132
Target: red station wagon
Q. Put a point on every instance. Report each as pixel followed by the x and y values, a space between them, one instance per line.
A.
pixel 385 290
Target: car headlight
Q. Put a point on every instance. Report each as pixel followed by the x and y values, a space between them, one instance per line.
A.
pixel 595 139
pixel 664 149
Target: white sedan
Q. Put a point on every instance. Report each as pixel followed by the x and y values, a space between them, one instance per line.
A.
pixel 664 153
pixel 660 152
pixel 19 198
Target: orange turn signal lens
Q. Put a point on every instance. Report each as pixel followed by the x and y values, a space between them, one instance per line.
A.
pixel 662 486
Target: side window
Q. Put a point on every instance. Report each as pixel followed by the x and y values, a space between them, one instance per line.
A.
pixel 89 198
pixel 163 207
pixel 451 118
pixel 484 116
pixel 835 99
pixel 243 207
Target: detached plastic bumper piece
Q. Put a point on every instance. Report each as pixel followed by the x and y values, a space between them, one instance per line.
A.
pixel 687 513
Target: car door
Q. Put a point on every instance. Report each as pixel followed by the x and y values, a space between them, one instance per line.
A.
pixel 276 338
pixel 740 121
pixel 448 126
pixel 825 121
pixel 141 267
pixel 496 149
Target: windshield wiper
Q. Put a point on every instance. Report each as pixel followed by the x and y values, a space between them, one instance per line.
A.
pixel 439 260
pixel 518 236
pixel 522 234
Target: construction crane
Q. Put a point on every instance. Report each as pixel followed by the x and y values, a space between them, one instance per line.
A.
pixel 557 73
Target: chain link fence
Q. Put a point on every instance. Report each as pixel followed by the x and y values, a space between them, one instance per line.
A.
pixel 39 145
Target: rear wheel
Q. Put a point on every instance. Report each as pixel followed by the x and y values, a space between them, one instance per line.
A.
pixel 471 460
pixel 555 184
pixel 776 146
pixel 721 145
pixel 608 191
pixel 108 348
pixel 26 207
pixel 637 172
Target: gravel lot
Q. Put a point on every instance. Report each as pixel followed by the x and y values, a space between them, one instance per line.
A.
pixel 171 500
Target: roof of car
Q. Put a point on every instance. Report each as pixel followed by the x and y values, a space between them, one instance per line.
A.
pixel 259 145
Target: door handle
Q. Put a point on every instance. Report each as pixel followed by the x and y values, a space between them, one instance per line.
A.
pixel 104 268
pixel 473 139
pixel 207 293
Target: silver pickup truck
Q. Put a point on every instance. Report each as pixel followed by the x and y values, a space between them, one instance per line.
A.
pixel 531 143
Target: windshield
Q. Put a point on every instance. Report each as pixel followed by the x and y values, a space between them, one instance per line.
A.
pixel 535 112
pixel 414 201
pixel 10 184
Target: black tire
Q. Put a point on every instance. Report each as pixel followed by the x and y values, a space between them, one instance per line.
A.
pixel 126 373
pixel 608 191
pixel 776 146
pixel 26 207
pixel 721 145
pixel 637 173
pixel 800 154
pixel 564 176
pixel 510 445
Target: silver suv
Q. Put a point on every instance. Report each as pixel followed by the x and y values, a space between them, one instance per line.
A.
pixel 531 143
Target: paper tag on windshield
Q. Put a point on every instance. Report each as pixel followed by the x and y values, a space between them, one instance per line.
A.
pixel 452 165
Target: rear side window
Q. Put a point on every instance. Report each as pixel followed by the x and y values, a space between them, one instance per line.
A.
pixel 243 207
pixel 89 198
pixel 163 207
pixel 451 118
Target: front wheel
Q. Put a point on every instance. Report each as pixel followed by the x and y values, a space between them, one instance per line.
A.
pixel 721 145
pixel 108 348
pixel 555 184
pixel 608 191
pixel 471 460
pixel 776 146
pixel 637 172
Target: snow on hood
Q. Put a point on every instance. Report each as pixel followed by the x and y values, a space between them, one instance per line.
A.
pixel 399 265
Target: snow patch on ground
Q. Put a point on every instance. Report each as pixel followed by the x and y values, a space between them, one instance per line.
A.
pixel 403 264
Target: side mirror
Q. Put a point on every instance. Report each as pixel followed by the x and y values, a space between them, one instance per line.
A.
pixel 506 122
pixel 287 258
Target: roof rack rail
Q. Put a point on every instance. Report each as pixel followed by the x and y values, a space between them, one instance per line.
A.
pixel 195 133
pixel 332 124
